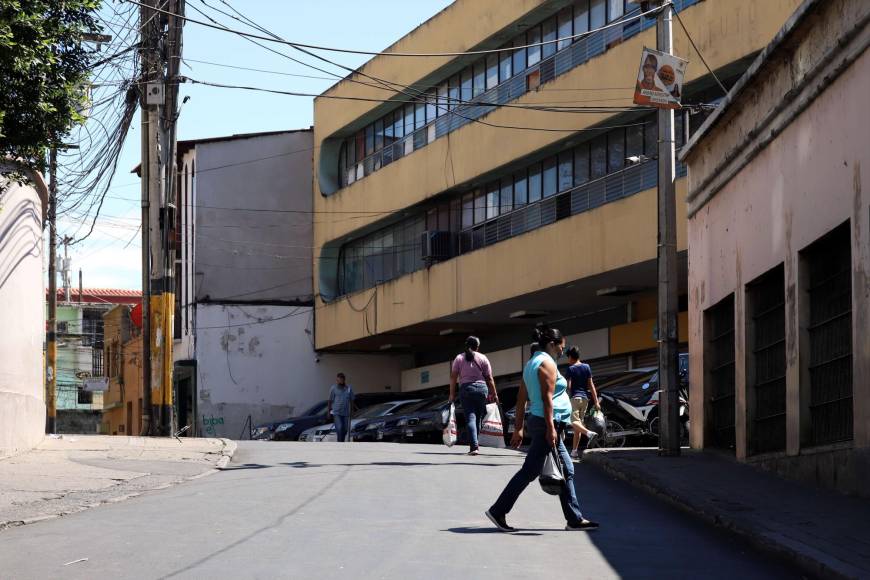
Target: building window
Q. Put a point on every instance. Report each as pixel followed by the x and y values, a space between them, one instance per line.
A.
pixel 370 140
pixel 479 207
pixel 442 99
pixel 581 164
pixel 466 85
pixel 97 362
pixel 519 55
pixel 467 210
pixel 492 199
pixel 491 70
pixel 615 150
pixel 504 65
pixel 615 10
pixel 507 195
pixel 719 363
pixel 550 177
pixel 453 91
pixel 479 83
pixel 581 16
pixel 828 267
pixel 597 14
pixel 521 189
pixel 598 156
pixel 548 35
pixel 84 397
pixel 634 141
pixel 766 334
pixel 533 36
pixel 566 21
pixel 535 183
pixel 566 170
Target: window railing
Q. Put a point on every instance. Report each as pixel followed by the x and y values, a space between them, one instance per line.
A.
pixel 399 133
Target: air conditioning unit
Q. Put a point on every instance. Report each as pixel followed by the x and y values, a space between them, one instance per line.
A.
pixel 437 246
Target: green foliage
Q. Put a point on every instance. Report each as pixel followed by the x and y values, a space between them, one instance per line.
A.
pixel 44 66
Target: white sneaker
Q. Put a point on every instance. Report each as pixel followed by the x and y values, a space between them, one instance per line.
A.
pixel 591 435
pixel 575 454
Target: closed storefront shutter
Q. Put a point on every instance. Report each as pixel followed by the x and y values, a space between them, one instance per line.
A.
pixel 610 364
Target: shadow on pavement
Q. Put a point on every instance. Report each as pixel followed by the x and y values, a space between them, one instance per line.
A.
pixel 245 466
pixel 305 464
pixel 465 530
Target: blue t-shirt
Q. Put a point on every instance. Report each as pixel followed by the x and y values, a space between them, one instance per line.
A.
pixel 579 375
pixel 561 401
pixel 341 399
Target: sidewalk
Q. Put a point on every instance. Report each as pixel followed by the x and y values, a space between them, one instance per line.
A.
pixel 823 532
pixel 71 473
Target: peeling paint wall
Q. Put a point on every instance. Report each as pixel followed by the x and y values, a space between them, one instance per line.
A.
pixel 259 361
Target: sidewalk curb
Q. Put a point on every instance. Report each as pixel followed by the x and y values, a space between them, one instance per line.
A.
pixel 815 563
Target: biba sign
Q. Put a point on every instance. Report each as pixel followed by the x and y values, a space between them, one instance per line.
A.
pixel 660 80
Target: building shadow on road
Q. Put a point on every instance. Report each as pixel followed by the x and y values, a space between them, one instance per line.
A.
pixel 467 530
pixel 305 464
pixel 245 466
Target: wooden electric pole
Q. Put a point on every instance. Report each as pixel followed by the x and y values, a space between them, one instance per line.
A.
pixel 51 331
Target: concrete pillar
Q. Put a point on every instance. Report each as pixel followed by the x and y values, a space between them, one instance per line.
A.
pixel 860 309
pixel 740 405
pixel 794 291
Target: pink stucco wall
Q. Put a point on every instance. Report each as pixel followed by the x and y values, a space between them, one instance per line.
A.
pixel 814 176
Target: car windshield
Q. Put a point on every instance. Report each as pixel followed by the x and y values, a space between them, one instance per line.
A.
pixel 405 407
pixel 433 404
pixel 315 410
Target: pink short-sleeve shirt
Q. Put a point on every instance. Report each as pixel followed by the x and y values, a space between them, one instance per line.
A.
pixel 472 371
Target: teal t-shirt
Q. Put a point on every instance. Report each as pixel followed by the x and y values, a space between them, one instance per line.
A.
pixel 561 401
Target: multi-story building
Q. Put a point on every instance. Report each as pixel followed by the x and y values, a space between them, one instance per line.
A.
pixel 485 192
pixel 122 364
pixel 244 321
pixel 779 243
pixel 80 331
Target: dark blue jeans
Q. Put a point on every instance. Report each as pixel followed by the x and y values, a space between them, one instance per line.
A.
pixel 531 469
pixel 473 399
pixel 342 424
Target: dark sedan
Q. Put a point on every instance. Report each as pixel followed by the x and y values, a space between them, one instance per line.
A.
pixel 425 425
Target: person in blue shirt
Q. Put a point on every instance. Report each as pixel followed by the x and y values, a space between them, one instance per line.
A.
pixel 340 406
pixel 549 412
pixel 582 391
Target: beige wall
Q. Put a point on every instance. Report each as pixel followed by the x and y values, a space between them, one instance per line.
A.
pixel 22 316
pixel 809 179
pixel 614 235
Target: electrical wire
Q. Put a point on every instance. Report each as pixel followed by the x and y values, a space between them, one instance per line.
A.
pixel 297 45
pixel 701 56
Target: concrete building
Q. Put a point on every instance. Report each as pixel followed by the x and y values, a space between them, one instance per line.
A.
pixel 779 254
pixel 80 330
pixel 22 391
pixel 439 217
pixel 122 363
pixel 244 329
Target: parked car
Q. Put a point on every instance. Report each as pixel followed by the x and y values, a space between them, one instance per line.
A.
pixel 423 425
pixel 366 429
pixel 326 431
pixel 291 428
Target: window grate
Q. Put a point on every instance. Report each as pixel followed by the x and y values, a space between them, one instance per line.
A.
pixel 720 369
pixel 829 266
pixel 767 304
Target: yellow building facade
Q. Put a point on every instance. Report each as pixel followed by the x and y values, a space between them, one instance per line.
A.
pixel 122 356
pixel 485 193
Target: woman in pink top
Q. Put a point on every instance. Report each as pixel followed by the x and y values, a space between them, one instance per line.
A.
pixel 472 371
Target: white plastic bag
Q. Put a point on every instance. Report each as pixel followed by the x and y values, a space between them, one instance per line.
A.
pixel 491 430
pixel 449 434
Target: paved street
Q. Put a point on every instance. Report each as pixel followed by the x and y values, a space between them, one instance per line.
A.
pixel 326 510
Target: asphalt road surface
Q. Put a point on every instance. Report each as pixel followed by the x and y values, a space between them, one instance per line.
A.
pixel 329 510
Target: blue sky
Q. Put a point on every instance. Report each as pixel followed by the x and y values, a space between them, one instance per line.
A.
pixel 111 256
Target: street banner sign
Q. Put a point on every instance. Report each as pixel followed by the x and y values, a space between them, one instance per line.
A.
pixel 660 80
pixel 97 384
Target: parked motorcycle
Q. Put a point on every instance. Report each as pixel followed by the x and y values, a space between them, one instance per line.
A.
pixel 633 413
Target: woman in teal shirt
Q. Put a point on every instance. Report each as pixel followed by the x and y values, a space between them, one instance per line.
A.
pixel 549 405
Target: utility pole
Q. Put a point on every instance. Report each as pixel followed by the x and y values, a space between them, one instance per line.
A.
pixel 669 440
pixel 161 46
pixel 51 332
pixel 148 50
